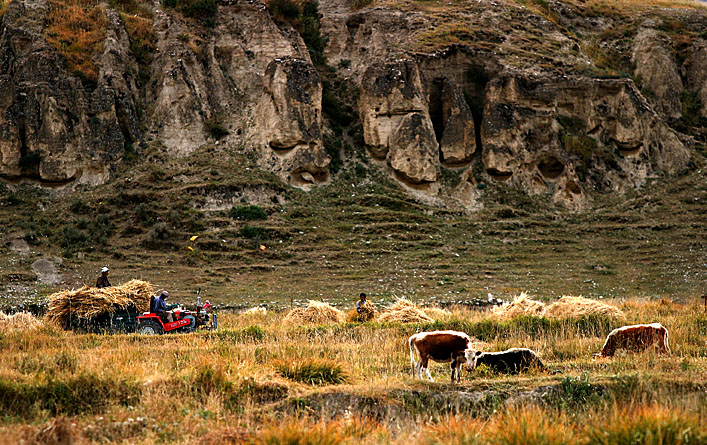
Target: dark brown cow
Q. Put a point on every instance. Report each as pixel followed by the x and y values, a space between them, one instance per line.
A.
pixel 636 338
pixel 441 347
pixel 511 361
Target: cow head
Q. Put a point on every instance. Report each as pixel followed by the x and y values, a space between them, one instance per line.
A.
pixel 470 359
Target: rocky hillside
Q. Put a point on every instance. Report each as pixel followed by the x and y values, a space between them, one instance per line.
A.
pixel 567 99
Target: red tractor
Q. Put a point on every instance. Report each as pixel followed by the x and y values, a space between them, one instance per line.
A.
pixel 184 320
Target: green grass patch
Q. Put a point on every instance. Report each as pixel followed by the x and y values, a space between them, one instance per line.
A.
pixel 312 371
pixel 248 213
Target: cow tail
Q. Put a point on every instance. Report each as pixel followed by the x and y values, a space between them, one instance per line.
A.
pixel 667 346
pixel 412 355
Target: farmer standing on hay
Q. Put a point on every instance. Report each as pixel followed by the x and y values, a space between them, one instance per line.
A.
pixel 365 311
pixel 103 279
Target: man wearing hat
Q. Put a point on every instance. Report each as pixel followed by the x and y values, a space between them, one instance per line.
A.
pixel 161 307
pixel 103 279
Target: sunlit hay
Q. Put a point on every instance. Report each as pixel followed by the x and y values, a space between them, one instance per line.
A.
pixel 405 315
pixel 522 305
pixel 257 310
pixel 316 312
pixel 400 303
pixel 19 321
pixel 307 431
pixel 575 307
pixel 437 313
pixel 88 303
pixel 456 430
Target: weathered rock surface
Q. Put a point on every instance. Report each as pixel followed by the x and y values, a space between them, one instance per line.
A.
pixel 52 129
pixel 290 116
pixel 46 270
pixel 570 137
pixel 457 143
pixel 697 73
pixel 658 72
pixel 396 122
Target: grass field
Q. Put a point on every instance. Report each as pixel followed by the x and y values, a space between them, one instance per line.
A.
pixel 259 380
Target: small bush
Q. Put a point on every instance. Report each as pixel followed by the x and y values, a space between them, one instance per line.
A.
pixel 208 380
pixel 576 393
pixel 312 371
pixel 248 213
pixel 255 233
pixel 145 214
pixel 202 10
pixel 79 207
pixel 158 237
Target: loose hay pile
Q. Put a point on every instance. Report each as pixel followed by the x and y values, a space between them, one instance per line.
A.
pixel 522 305
pixel 72 307
pixel 574 307
pixel 316 312
pixel 565 307
pixel 19 321
pixel 404 311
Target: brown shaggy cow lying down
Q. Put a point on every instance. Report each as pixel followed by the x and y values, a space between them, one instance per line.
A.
pixel 636 338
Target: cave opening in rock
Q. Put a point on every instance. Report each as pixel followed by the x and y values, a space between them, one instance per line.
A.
pixel 551 167
pixel 475 80
pixel 437 109
pixel 29 159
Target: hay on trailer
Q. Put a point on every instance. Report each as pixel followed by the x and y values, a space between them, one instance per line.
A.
pixel 66 308
pixel 316 312
pixel 19 321
pixel 575 307
pixel 522 305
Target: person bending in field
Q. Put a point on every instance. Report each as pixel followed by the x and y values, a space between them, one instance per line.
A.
pixel 103 279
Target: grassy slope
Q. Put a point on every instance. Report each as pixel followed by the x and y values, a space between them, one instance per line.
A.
pixel 359 233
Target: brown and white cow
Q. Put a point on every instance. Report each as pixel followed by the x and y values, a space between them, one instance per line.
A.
pixel 636 338
pixel 441 347
pixel 511 361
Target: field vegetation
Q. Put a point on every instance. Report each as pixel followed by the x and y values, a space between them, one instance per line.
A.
pixel 262 380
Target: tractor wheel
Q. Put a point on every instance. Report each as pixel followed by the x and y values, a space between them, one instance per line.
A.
pixel 150 327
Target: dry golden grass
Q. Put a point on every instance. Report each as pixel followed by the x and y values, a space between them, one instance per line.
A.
pixel 404 311
pixel 230 389
pixel 20 320
pixel 3 6
pixel 77 28
pixel 316 312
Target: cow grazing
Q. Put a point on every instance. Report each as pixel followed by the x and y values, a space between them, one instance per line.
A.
pixel 441 347
pixel 636 338
pixel 511 361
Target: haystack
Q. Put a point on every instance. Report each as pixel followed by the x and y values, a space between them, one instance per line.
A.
pixel 575 307
pixel 69 307
pixel 19 321
pixel 404 311
pixel 437 313
pixel 316 312
pixel 522 305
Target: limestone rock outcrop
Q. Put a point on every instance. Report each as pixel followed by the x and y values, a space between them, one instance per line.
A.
pixel 697 73
pixel 52 129
pixel 457 143
pixel 575 136
pixel 658 72
pixel 290 115
pixel 396 122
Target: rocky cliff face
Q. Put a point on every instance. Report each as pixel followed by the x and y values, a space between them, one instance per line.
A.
pixel 480 106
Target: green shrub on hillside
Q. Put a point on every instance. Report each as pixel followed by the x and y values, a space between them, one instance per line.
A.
pixel 248 213
pixel 202 10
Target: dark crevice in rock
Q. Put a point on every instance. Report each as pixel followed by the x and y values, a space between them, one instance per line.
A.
pixel 476 79
pixel 437 110
pixel 499 175
pixel 551 167
pixel 29 160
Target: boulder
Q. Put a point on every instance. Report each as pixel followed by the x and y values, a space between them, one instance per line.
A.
pixel 46 270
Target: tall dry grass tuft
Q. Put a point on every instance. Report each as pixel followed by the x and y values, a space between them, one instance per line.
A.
pixel 312 371
pixel 305 431
pixel 647 425
pixel 529 426
pixel 77 29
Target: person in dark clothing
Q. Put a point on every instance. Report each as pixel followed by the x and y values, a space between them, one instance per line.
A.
pixel 103 279
pixel 161 307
